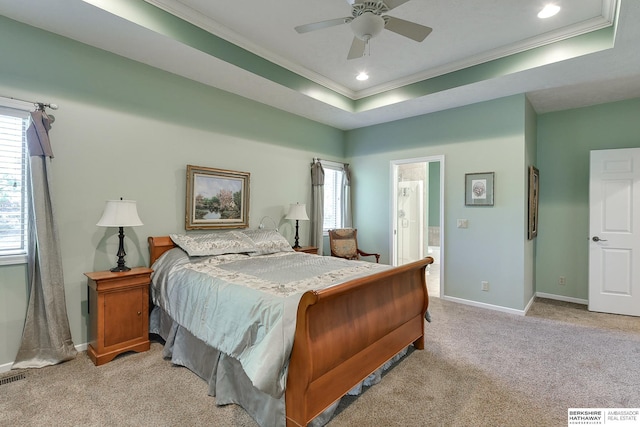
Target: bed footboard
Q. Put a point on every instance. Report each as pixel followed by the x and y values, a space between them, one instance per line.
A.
pixel 346 332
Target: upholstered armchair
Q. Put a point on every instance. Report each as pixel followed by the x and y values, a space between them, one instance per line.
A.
pixel 344 244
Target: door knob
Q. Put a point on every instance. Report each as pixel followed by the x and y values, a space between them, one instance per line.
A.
pixel 597 239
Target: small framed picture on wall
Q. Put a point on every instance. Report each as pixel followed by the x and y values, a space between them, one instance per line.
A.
pixel 479 189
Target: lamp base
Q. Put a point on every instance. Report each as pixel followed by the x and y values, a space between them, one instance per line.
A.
pixel 296 244
pixel 121 253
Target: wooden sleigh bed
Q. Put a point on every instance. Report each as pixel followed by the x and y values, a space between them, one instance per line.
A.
pixel 346 332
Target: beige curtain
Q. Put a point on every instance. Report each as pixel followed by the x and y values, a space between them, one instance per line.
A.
pixel 46 338
pixel 347 216
pixel 317 205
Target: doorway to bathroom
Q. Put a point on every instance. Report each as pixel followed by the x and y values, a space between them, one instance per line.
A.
pixel 417 215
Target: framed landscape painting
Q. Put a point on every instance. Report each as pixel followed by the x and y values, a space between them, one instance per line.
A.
pixel 216 198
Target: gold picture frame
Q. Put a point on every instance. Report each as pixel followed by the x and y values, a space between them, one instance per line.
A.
pixel 216 198
pixel 534 196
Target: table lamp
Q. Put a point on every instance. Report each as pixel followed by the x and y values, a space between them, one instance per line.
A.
pixel 120 213
pixel 298 212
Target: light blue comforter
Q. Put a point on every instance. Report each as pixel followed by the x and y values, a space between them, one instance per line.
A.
pixel 246 306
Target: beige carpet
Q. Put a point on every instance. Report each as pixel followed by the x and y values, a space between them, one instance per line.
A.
pixel 480 368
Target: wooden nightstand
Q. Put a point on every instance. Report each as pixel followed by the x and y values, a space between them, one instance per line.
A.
pixel 307 249
pixel 118 313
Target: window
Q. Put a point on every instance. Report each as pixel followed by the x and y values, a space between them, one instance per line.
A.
pixel 332 198
pixel 13 197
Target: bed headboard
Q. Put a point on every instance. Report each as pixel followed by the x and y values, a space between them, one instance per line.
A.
pixel 159 245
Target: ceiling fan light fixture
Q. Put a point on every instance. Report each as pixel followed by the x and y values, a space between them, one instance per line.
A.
pixel 362 76
pixel 548 11
pixel 367 26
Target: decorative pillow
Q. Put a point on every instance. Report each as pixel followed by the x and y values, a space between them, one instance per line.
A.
pixel 267 242
pixel 227 242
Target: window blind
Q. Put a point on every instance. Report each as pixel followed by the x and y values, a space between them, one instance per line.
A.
pixel 332 198
pixel 13 175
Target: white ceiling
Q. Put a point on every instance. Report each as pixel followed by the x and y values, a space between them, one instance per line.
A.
pixel 465 33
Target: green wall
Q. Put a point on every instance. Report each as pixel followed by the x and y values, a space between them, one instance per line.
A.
pixel 124 129
pixel 564 141
pixel 486 137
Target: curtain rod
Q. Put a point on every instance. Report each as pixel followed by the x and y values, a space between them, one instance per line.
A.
pixel 317 159
pixel 39 105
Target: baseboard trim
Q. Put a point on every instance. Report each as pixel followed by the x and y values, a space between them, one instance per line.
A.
pixel 487 306
pixel 531 301
pixel 6 367
pixel 562 298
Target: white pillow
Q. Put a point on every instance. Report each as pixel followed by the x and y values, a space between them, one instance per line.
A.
pixel 267 242
pixel 217 243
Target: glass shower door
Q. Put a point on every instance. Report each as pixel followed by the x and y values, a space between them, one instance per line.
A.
pixel 410 222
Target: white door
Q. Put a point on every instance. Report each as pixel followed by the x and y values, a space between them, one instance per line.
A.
pixel 614 227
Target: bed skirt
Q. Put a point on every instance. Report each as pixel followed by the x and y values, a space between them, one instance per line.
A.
pixel 227 381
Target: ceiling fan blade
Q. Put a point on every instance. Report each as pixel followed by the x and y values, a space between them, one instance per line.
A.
pixel 357 49
pixel 320 25
pixel 408 29
pixel 392 4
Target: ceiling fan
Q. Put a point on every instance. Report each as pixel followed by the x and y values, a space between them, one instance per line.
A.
pixel 367 21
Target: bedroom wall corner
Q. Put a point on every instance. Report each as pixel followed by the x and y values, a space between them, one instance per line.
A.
pixel 530 141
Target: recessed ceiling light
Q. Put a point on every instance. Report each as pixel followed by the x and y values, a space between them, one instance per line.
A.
pixel 548 11
pixel 362 76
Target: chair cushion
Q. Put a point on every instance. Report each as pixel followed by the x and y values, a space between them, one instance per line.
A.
pixel 345 248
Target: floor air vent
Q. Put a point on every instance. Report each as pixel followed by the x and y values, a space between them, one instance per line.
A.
pixel 11 379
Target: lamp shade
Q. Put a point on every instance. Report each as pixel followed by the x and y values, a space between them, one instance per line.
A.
pixel 120 213
pixel 297 211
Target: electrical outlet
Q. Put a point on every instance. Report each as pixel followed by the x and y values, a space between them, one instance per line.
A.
pixel 484 285
pixel 562 280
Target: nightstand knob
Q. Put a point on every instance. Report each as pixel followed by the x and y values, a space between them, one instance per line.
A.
pixel 139 313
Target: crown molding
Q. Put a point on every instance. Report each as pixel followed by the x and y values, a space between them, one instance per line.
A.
pixel 528 44
pixel 194 17
pixel 210 25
